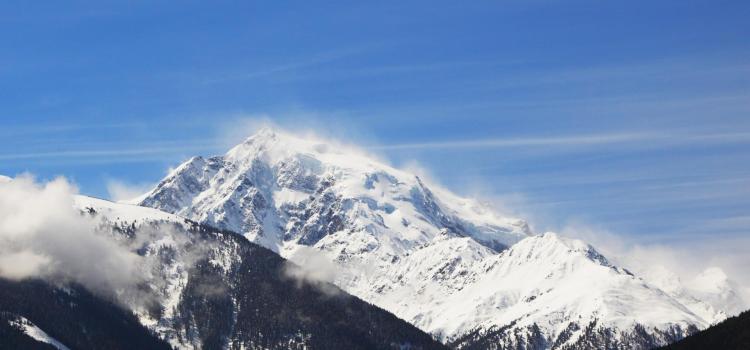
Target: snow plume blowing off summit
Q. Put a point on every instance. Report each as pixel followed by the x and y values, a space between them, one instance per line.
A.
pixel 43 235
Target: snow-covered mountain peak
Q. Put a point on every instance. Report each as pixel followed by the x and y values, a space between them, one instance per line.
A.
pixel 544 287
pixel 553 248
pixel 449 265
pixel 277 146
pixel 277 187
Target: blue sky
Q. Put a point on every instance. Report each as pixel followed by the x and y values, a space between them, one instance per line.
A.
pixel 628 116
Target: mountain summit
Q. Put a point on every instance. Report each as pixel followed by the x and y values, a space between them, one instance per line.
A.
pixel 276 189
pixel 447 264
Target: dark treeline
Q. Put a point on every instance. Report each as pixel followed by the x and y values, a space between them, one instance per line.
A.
pixel 731 334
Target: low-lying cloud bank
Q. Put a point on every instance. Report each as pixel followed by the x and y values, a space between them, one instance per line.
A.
pixel 42 235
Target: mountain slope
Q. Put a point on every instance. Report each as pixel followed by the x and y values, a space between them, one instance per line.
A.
pixel 274 189
pixel 548 280
pixel 35 314
pixel 213 289
pixel 437 260
pixel 731 334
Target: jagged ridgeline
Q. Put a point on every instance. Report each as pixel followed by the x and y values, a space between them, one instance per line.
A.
pixel 452 266
pixel 414 264
pixel 203 289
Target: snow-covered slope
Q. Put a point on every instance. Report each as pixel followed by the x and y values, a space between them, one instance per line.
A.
pixel 551 288
pixel 275 189
pixel 121 213
pixel 37 333
pixel 202 288
pixel 447 264
pixel 160 234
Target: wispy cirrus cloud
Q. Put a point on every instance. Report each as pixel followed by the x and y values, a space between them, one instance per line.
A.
pixel 292 65
pixel 34 129
pixel 624 140
pixel 102 150
pixel 93 153
pixel 517 142
pixel 659 138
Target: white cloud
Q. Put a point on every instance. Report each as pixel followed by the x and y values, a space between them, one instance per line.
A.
pixel 651 139
pixel 121 191
pixel 106 152
pixel 21 264
pixel 687 258
pixel 302 63
pixel 298 124
pixel 43 236
pixel 575 140
pixel 311 266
